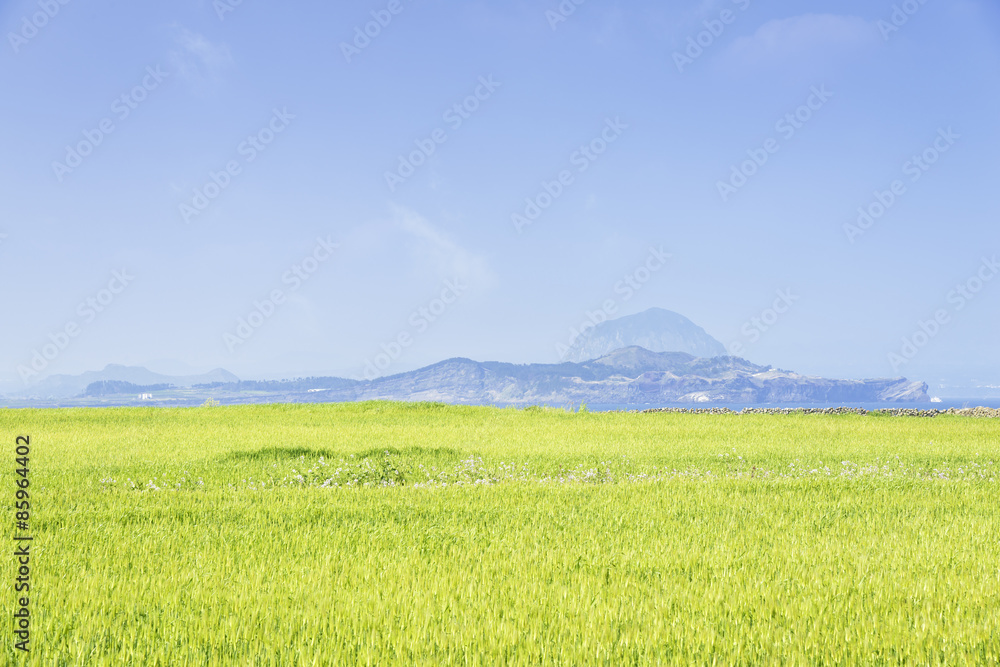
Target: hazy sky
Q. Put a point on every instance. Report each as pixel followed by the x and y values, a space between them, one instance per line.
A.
pixel 474 178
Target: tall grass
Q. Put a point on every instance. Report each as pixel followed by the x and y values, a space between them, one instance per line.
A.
pixel 456 535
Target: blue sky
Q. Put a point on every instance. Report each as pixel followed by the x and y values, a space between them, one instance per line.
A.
pixel 227 160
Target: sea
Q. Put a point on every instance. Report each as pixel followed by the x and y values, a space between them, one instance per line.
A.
pixel 736 407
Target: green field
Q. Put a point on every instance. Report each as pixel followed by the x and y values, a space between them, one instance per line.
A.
pixel 381 533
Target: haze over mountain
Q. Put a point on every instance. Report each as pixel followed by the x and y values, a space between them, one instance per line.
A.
pixel 656 356
pixel 631 375
pixel 63 386
pixel 655 329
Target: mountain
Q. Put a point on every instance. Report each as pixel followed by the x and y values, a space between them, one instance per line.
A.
pixel 63 386
pixel 627 376
pixel 656 330
pixel 631 375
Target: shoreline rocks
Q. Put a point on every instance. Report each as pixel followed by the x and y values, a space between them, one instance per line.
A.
pixel 989 413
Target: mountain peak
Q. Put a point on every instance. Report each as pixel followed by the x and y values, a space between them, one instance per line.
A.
pixel 655 330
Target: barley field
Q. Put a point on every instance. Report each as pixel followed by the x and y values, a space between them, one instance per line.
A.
pixel 387 533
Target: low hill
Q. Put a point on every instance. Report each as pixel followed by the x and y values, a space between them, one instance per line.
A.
pixel 64 386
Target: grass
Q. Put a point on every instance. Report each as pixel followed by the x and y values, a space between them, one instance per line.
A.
pixel 384 533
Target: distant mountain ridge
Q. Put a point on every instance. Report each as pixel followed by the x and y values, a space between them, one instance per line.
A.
pixel 655 329
pixel 605 366
pixel 63 386
pixel 630 376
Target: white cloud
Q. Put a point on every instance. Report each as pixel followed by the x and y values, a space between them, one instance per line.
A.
pixel 823 35
pixel 419 250
pixel 197 59
pixel 444 256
